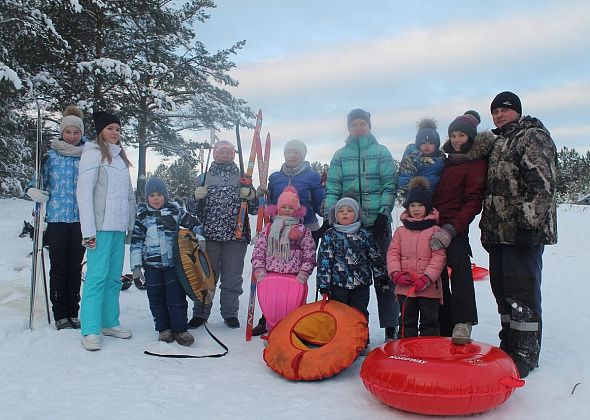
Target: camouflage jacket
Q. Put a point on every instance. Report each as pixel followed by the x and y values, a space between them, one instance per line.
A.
pixel 519 201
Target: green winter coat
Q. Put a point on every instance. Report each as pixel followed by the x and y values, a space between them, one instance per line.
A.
pixel 519 201
pixel 363 165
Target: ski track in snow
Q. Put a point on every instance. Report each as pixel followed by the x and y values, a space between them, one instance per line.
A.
pixel 47 374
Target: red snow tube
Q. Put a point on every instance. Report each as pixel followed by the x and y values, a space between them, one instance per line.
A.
pixel 431 375
pixel 477 272
pixel 316 341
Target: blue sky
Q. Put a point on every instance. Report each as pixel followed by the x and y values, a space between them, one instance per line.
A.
pixel 307 63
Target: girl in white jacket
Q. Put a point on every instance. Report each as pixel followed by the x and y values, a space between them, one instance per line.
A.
pixel 107 212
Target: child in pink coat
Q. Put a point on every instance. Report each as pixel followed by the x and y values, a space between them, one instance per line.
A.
pixel 413 266
pixel 285 246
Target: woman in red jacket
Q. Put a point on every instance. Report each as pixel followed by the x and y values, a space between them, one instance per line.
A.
pixel 458 198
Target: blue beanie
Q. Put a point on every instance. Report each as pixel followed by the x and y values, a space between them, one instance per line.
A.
pixel 427 133
pixel 155 184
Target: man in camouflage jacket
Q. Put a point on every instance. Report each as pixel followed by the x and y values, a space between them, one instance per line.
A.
pixel 519 218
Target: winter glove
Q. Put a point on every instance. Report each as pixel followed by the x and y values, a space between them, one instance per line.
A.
pixel 296 233
pixel 261 191
pixel 442 238
pixel 380 227
pixel 89 242
pixel 302 277
pixel 128 239
pixel 422 283
pixel 202 243
pixel 136 273
pixel 402 278
pixel 324 291
pixel 383 282
pixel 37 195
pixel 200 193
pixel 259 274
pixel 247 193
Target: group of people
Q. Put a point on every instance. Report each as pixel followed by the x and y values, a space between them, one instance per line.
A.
pixel 509 172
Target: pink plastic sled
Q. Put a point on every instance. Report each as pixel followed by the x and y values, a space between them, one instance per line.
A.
pixel 279 294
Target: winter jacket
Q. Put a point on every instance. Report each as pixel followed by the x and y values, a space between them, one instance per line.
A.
pixel 104 193
pixel 349 260
pixel 154 234
pixel 458 196
pixel 307 183
pixel 414 163
pixel 410 251
pixel 301 258
pixel 60 179
pixel 218 211
pixel 519 202
pixel 366 166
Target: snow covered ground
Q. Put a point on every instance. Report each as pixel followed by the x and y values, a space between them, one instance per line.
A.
pixel 47 374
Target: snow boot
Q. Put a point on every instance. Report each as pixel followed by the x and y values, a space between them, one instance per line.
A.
pixel 63 324
pixel 166 336
pixel 117 332
pixel 461 333
pixel 232 322
pixel 184 338
pixel 75 323
pixel 524 345
pixel 504 333
pixel 260 328
pixel 91 342
pixel 196 322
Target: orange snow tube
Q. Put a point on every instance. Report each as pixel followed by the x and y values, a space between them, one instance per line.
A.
pixel 316 341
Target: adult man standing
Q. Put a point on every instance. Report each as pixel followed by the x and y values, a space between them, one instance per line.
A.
pixel 519 218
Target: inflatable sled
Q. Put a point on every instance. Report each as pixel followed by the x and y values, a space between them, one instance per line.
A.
pixel 477 272
pixel 193 268
pixel 278 294
pixel 431 375
pixel 316 341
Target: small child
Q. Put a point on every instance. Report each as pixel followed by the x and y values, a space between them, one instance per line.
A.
pixel 285 246
pixel 349 258
pixel 152 244
pixel 422 158
pixel 413 266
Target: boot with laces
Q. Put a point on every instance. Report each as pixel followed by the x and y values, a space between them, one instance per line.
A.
pixel 184 338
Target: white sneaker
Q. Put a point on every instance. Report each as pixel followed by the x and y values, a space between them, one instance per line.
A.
pixel 116 332
pixel 91 342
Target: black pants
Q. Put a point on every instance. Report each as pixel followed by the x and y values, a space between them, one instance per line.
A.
pixel 422 309
pixel 459 305
pixel 357 298
pixel 65 256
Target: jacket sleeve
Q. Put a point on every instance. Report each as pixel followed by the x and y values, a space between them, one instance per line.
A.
pixel 324 267
pixel 88 173
pixel 407 170
pixel 376 258
pixel 474 189
pixel 137 242
pixel 308 248
pixel 259 251
pixel 539 172
pixel 438 261
pixel 132 207
pixel 388 175
pixel 333 184
pixel 189 221
pixel 394 254
pixel 318 194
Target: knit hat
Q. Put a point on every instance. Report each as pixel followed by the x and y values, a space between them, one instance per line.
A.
pixel 356 114
pixel 71 121
pixel 466 123
pixel 223 145
pixel 289 196
pixel 506 100
pixel 427 133
pixel 419 192
pixel 155 184
pixel 349 202
pixel 298 146
pixel 102 119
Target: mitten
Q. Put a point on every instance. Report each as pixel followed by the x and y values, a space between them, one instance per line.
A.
pixel 379 229
pixel 422 282
pixel 443 238
pixel 296 233
pixel 261 191
pixel 202 243
pixel 37 195
pixel 302 277
pixel 200 193
pixel 259 274
pixel 89 242
pixel 247 193
pixel 136 273
pixel 383 282
pixel 128 239
pixel 402 278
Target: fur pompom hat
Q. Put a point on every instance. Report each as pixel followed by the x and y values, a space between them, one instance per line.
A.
pixel 427 133
pixel 419 192
pixel 72 118
pixel 291 197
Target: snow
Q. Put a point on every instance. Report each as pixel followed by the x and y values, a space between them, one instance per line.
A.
pixel 47 374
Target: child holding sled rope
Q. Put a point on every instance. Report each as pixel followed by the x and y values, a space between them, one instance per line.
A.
pixel 152 244
pixel 285 247
pixel 413 266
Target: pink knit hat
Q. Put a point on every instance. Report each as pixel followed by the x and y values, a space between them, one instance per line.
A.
pixel 289 196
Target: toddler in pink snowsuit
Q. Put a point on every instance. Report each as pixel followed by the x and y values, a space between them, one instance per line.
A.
pixel 284 246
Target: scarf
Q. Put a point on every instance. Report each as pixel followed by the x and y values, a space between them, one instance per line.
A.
pixel 294 171
pixel 67 149
pixel 278 243
pixel 352 228
pixel 418 224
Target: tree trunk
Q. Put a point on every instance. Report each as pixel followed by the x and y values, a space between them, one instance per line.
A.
pixel 142 138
